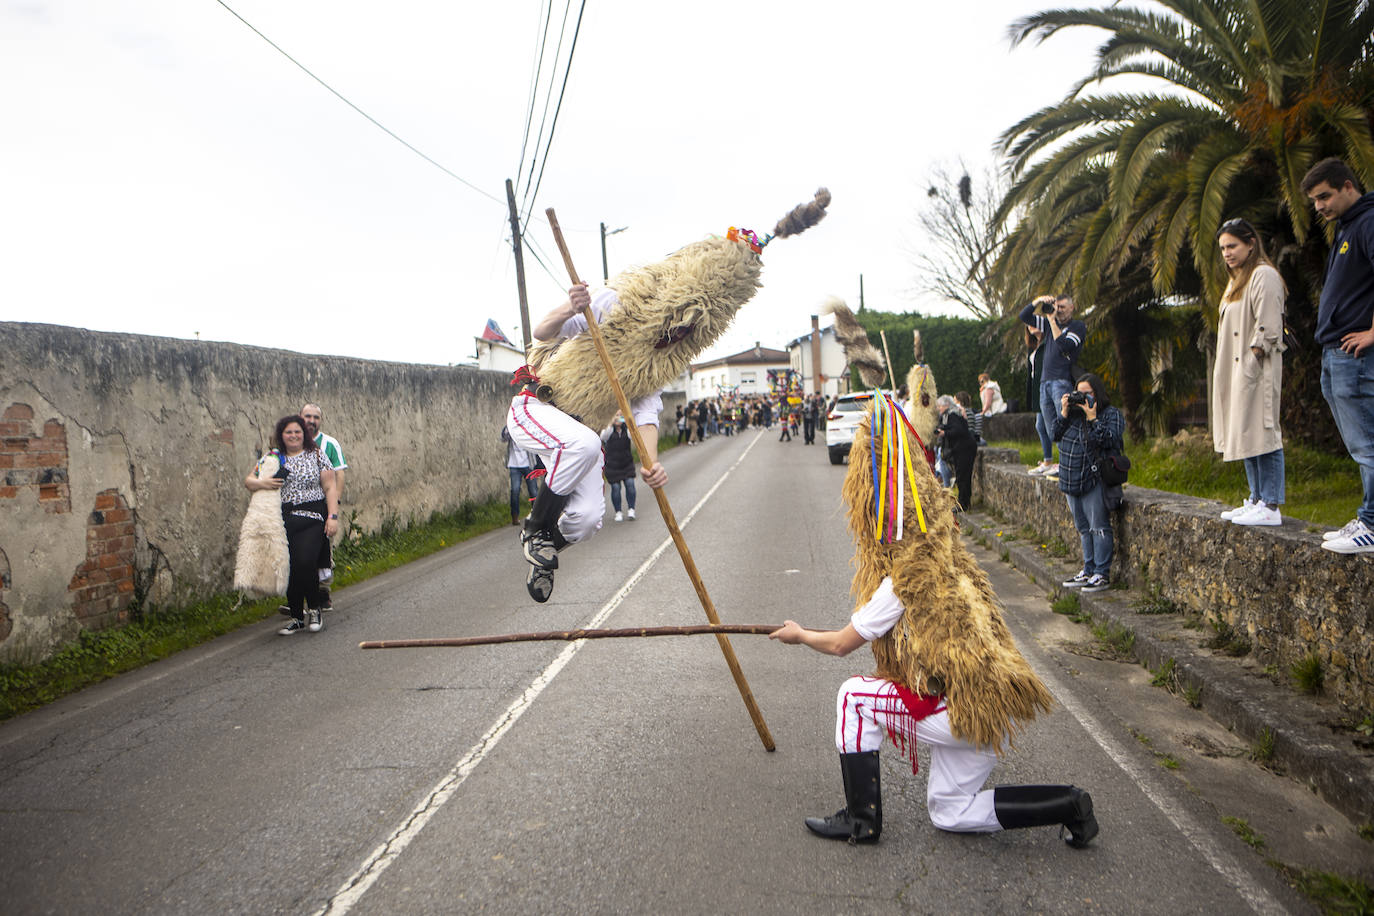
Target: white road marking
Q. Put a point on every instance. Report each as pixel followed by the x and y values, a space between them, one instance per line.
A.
pixel 386 853
pixel 1223 862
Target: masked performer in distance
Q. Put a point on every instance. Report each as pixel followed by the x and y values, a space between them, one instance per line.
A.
pixel 654 321
pixel 947 672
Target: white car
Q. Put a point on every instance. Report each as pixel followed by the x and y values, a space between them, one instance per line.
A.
pixel 842 420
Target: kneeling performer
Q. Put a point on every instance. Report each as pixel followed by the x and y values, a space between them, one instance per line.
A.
pixel 948 673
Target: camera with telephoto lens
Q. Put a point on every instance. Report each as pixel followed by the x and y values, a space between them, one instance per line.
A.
pixel 1076 401
pixel 1045 307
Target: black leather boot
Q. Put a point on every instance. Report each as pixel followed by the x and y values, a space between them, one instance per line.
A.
pixel 861 819
pixel 541 540
pixel 1038 806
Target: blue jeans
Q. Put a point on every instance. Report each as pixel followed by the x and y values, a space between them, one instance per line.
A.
pixel 517 475
pixel 1051 390
pixel 1348 384
pixel 1094 526
pixel 1046 443
pixel 1264 473
pixel 629 493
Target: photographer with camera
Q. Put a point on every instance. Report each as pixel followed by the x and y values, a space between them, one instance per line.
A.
pixel 1052 316
pixel 1088 427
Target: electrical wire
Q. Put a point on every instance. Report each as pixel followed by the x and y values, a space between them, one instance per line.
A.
pixel 369 117
pixel 572 49
pixel 534 88
pixel 548 96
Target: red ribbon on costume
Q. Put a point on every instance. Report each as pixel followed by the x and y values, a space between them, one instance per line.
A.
pixel 918 706
pixel 524 376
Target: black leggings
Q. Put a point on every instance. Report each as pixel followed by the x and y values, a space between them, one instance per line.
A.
pixel 304 540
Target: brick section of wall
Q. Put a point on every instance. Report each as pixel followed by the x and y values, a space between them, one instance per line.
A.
pixel 103 585
pixel 1275 585
pixel 37 462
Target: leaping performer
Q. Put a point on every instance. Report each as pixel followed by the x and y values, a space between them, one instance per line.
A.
pixel 948 673
pixel 654 321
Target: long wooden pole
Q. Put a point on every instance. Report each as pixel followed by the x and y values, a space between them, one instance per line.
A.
pixel 892 376
pixel 667 511
pixel 753 629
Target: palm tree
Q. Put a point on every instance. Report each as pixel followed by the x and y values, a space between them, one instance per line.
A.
pixel 1251 93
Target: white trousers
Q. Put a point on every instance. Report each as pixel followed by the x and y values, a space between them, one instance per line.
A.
pixel 572 461
pixel 869 707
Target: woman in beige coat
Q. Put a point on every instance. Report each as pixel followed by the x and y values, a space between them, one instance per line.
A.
pixel 1249 372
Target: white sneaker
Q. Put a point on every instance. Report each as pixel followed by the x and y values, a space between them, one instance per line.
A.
pixel 1342 533
pixel 1097 583
pixel 1243 508
pixel 1259 514
pixel 631 514
pixel 1359 540
pixel 620 516
pixel 1039 469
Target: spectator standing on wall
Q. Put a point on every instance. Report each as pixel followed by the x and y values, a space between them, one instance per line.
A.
pixel 1053 317
pixel 1087 427
pixel 1345 329
pixel 313 416
pixel 1248 374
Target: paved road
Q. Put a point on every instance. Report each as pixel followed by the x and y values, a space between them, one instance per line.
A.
pixel 261 774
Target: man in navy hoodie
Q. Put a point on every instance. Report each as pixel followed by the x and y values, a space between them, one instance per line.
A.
pixel 1053 317
pixel 1345 329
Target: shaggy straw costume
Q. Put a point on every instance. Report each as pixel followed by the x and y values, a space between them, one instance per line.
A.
pixel 654 321
pixel 668 313
pixel 263 563
pixel 948 673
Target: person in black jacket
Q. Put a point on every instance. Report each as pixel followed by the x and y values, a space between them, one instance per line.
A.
pixel 957 445
pixel 620 466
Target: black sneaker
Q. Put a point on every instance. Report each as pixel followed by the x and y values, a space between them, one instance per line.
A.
pixel 314 622
pixel 1098 583
pixel 539 583
pixel 539 549
pixel 294 626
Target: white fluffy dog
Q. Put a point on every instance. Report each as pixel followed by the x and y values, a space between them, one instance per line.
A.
pixel 263 564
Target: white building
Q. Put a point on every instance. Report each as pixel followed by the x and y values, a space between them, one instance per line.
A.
pixel 834 377
pixel 499 355
pixel 744 373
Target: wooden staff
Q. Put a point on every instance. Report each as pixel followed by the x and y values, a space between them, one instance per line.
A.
pixel 756 629
pixel 892 376
pixel 667 511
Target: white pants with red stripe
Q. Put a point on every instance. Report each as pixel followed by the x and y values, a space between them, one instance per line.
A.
pixel 869 707
pixel 572 461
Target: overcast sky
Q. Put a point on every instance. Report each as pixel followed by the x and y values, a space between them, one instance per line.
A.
pixel 164 170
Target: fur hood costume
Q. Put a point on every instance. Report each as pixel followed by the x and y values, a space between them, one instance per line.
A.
pixel 951 639
pixel 668 313
pixel 263 564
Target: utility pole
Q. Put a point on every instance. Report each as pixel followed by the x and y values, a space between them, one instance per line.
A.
pixel 861 292
pixel 519 266
pixel 605 269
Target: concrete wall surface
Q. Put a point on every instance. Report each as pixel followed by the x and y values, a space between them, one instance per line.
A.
pixel 122 461
pixel 1275 586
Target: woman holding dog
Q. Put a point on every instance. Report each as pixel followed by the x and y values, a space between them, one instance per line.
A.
pixel 1248 373
pixel 310 509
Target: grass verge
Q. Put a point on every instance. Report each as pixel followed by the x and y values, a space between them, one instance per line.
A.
pixel 154 633
pixel 1320 487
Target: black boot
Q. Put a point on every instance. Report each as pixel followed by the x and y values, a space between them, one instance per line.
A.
pixel 1038 806
pixel 541 540
pixel 861 819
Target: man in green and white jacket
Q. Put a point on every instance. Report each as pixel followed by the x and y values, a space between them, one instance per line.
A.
pixel 313 416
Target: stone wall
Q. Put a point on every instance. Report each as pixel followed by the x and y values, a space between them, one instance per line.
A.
pixel 1274 585
pixel 123 460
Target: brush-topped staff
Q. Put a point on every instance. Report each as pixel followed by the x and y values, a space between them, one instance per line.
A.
pixel 752 629
pixel 668 518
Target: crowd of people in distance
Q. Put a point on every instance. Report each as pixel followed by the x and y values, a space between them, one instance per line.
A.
pixel 727 416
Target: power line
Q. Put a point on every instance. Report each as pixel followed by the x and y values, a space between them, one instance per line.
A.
pixel 554 126
pixel 548 95
pixel 341 98
pixel 534 88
